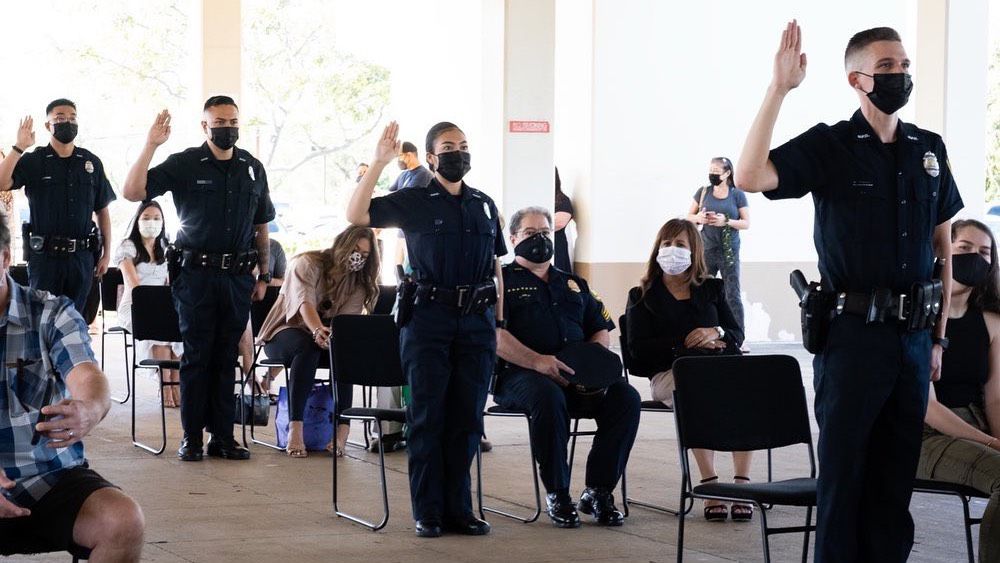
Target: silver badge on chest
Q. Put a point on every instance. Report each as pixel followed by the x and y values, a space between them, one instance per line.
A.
pixel 250 171
pixel 89 167
pixel 931 165
pixel 486 209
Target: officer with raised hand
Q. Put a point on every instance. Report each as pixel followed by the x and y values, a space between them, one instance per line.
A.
pixel 66 189
pixel 448 334
pixel 884 198
pixel 222 200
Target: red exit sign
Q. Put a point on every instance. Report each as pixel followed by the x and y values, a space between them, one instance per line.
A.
pixel 529 126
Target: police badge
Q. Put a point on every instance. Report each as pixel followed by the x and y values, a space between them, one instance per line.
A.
pixel 89 167
pixel 573 286
pixel 250 171
pixel 486 209
pixel 931 164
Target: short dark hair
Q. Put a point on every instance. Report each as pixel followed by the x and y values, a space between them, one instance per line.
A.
pixel 865 38
pixel 220 101
pixel 59 102
pixel 409 147
pixel 436 132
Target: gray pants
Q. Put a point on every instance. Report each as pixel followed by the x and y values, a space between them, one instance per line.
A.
pixel 968 463
pixel 715 261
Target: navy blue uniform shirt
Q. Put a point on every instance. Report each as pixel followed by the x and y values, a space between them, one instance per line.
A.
pixel 451 240
pixel 876 204
pixel 218 202
pixel 63 193
pixel 546 316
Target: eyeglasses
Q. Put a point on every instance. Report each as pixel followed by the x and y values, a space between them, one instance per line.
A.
pixel 532 232
pixel 63 119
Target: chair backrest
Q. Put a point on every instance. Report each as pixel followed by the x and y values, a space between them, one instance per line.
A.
pixel 386 300
pixel 366 351
pixel 260 309
pixel 740 403
pixel 19 273
pixel 110 282
pixel 153 314
pixel 623 342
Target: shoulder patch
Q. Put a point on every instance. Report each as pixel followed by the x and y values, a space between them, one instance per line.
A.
pixel 572 285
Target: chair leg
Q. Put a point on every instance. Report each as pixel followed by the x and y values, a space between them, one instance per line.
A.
pixel 572 444
pixel 968 529
pixel 680 528
pixel 534 478
pixel 805 542
pixel 163 419
pixel 128 387
pixel 765 539
pixel 385 490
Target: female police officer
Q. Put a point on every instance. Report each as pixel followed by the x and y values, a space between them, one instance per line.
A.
pixel 448 343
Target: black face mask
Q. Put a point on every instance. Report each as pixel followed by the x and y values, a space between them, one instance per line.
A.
pixel 225 137
pixel 969 269
pixel 715 179
pixel 65 132
pixel 538 249
pixel 891 91
pixel 454 165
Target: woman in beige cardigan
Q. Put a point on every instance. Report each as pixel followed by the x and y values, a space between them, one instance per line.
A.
pixel 319 285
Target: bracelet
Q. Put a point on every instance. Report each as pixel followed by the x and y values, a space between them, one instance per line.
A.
pixel 16 149
pixel 990 443
pixel 315 332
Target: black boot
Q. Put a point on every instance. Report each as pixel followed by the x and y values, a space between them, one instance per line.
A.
pixel 600 503
pixel 561 510
pixel 227 448
pixel 191 449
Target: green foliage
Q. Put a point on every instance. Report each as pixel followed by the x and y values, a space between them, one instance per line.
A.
pixel 992 192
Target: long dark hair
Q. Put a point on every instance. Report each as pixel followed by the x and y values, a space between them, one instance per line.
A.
pixel 695 274
pixel 339 282
pixel 727 166
pixel 141 255
pixel 986 296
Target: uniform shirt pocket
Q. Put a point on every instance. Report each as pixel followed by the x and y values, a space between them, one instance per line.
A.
pixel 923 216
pixel 866 211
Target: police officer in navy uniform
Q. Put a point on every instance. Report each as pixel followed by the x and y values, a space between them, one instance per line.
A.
pixel 66 187
pixel 884 197
pixel 448 335
pixel 222 200
pixel 546 310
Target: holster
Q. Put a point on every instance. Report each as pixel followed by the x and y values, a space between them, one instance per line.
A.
pixel 173 259
pixel 406 294
pixel 26 240
pixel 925 305
pixel 97 241
pixel 816 312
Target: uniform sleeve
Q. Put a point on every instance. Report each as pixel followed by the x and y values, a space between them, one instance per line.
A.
pixel 280 261
pixel 265 209
pixel 26 169
pixel 741 199
pixel 499 245
pixel 126 251
pixel 391 210
pixel 66 332
pixel 564 204
pixel 166 176
pixel 105 193
pixel 595 315
pixel 949 200
pixel 801 164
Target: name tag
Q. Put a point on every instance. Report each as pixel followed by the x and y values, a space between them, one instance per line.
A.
pixel 863 184
pixel 203 182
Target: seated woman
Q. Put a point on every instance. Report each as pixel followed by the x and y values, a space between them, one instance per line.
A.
pixel 961 442
pixel 320 285
pixel 678 310
pixel 141 259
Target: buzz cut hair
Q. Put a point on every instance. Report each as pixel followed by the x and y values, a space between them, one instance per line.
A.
pixel 220 101
pixel 863 39
pixel 59 102
pixel 518 217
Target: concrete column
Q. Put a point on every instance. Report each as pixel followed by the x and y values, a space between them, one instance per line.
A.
pixel 529 67
pixel 222 48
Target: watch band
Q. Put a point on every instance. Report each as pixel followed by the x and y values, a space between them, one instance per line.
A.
pixel 16 149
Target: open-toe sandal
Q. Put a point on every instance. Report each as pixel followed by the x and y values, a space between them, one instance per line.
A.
pixel 296 452
pixel 715 512
pixel 742 512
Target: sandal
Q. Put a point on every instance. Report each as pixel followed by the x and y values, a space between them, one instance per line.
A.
pixel 298 453
pixel 334 449
pixel 715 512
pixel 742 512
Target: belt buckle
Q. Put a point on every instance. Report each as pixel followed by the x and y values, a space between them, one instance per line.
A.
pixel 71 245
pixel 227 261
pixel 901 307
pixel 463 293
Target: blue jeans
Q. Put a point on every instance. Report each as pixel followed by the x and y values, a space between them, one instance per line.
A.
pixel 715 260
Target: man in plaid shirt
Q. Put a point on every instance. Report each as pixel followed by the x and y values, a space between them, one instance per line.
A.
pixel 52 394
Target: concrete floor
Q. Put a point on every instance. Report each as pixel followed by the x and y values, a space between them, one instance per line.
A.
pixel 273 508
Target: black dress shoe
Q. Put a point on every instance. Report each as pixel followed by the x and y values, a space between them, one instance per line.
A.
pixel 190 449
pixel 561 510
pixel 227 448
pixel 600 503
pixel 467 525
pixel 428 528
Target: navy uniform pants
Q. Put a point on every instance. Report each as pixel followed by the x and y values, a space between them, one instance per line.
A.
pixel 63 274
pixel 213 308
pixel 448 360
pixel 871 395
pixel 617 423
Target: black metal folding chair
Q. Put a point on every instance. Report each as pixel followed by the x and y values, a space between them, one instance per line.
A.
pixel 258 312
pixel 965 494
pixel 109 284
pixel 366 352
pixel 154 318
pixel 765 406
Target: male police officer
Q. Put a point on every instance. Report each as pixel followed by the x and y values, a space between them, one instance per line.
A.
pixel 65 186
pixel 884 197
pixel 547 309
pixel 222 200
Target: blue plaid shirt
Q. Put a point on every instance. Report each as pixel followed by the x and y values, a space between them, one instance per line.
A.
pixel 46 337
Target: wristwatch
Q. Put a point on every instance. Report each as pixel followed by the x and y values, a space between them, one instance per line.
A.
pixel 265 277
pixel 722 333
pixel 941 341
pixel 502 323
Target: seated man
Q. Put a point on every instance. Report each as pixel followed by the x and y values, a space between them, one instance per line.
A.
pixel 545 310
pixel 52 394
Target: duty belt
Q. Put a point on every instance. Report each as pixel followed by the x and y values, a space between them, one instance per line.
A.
pixel 466 298
pixel 61 245
pixel 240 262
pixel 918 309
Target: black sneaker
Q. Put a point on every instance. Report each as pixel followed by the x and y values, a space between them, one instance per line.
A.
pixel 600 503
pixel 561 510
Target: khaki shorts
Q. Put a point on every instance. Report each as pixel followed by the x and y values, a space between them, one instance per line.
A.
pixel 662 386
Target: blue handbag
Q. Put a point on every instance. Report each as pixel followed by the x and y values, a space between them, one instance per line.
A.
pixel 317 419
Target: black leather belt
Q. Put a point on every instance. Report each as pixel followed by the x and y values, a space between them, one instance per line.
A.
pixel 239 262
pixel 878 305
pixel 466 298
pixel 61 245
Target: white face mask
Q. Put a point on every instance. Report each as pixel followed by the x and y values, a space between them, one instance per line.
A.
pixel 150 228
pixel 673 260
pixel 356 261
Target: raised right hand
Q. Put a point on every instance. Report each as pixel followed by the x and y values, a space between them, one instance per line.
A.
pixel 160 131
pixel 789 61
pixel 549 366
pixel 7 508
pixel 25 133
pixel 388 145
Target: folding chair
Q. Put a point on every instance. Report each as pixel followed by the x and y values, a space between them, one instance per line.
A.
pixel 109 284
pixel 965 494
pixel 366 353
pixel 258 312
pixel 765 406
pixel 156 319
pixel 19 273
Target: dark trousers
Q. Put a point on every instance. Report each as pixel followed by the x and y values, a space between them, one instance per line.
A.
pixel 715 262
pixel 448 360
pixel 617 424
pixel 213 308
pixel 64 274
pixel 871 395
pixel 296 349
